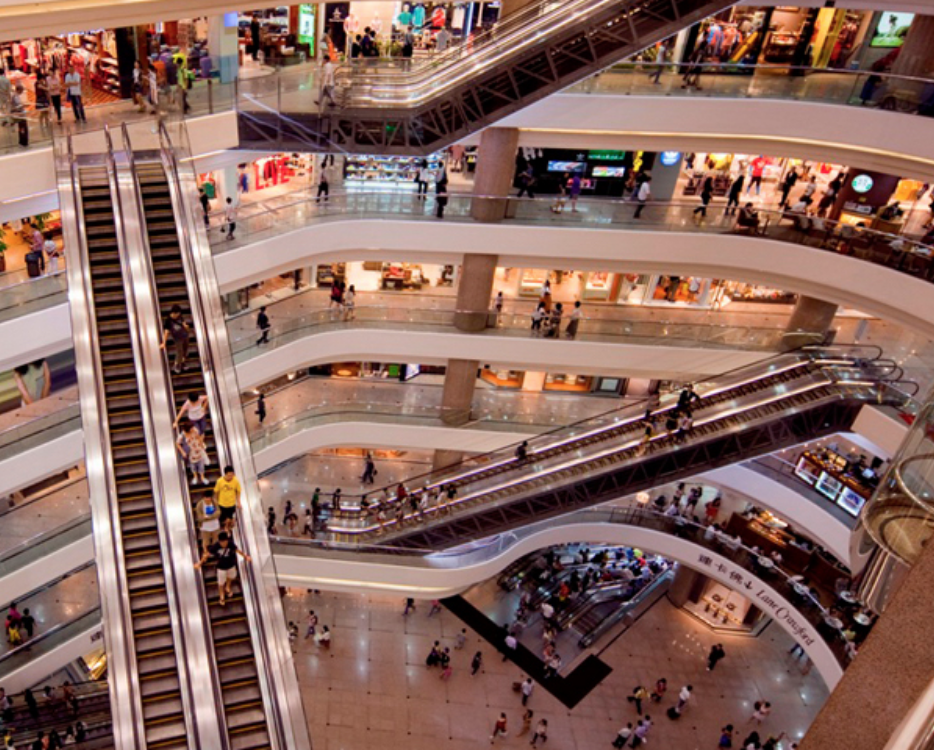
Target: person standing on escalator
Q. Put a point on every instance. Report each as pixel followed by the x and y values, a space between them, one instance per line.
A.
pixel 175 327
pixel 225 551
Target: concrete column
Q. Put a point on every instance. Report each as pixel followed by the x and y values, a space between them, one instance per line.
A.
pixel 474 291
pixel 460 381
pixel 665 176
pixel 896 659
pixel 686 586
pixel 223 45
pixel 443 459
pixel 810 322
pixel 496 168
pixel 916 57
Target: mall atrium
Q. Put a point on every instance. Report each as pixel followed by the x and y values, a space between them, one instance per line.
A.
pixel 442 375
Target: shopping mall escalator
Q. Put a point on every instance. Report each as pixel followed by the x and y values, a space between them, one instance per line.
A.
pixel 542 49
pixel 144 584
pixel 758 410
pixel 230 629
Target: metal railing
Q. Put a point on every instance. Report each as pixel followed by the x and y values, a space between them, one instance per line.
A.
pixel 898 252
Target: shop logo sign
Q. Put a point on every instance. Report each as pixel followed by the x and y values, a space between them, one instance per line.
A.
pixel 862 183
pixel 670 158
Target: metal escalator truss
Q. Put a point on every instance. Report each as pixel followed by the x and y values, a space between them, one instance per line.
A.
pixel 149 694
pixel 765 428
pixel 603 34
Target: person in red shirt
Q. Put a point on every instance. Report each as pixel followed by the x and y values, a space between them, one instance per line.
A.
pixel 757 167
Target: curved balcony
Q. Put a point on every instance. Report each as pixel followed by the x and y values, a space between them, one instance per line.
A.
pixel 432 574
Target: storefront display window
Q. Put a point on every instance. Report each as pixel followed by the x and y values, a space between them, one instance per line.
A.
pixel 393 172
pixel 724 609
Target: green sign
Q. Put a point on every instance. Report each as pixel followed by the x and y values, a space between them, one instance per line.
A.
pixel 607 155
pixel 306 25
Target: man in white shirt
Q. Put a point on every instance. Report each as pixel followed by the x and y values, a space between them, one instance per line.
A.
pixel 73 86
pixel 327 82
pixel 51 252
pixel 643 194
pixel 230 218
pixel 683 697
pixel 547 611
pixel 527 687
pixel 442 40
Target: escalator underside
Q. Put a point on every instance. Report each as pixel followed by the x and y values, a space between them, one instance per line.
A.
pixel 564 53
pixel 753 416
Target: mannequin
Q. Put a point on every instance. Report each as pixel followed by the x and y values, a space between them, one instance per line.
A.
pixel 351 24
pixel 377 24
pixel 405 17
pixel 418 16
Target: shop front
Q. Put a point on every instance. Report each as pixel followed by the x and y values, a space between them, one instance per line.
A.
pixel 781 36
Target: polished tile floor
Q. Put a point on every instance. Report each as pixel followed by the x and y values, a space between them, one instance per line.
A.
pixel 373 690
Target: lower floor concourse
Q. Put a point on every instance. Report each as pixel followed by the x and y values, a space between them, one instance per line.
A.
pixel 372 686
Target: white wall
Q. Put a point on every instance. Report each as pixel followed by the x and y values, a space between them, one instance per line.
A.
pixel 354 575
pixel 34 335
pixel 43 460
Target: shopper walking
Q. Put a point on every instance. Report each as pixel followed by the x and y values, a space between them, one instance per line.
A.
pixel 527 182
pixel 262 322
pixel 225 551
pixel 230 218
pixel 716 654
pixel 6 96
pixel 660 57
pixel 736 190
pixel 526 689
pixel 422 178
pixel 538 315
pixel 324 187
pixel 726 737
pixel 639 694
pixel 174 327
pixel 350 298
pixel 642 195
pixel 261 408
pixel 441 194
pixel 19 114
pixel 541 732
pixel 75 95
pixel 791 179
pixel 327 83
pixel 683 697
pixel 205 205
pixel 575 190
pixel 499 728
pixel 54 84
pixel 574 320
pixel 705 196
pixel 476 663
pixel 369 470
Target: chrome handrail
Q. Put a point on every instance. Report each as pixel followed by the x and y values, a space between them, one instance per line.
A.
pixel 190 624
pixel 126 703
pixel 272 651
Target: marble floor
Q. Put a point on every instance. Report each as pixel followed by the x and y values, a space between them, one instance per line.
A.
pixel 371 689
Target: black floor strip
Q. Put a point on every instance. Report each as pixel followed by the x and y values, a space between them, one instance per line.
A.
pixel 570 690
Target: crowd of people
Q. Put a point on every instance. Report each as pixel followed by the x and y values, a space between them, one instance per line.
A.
pixel 55 709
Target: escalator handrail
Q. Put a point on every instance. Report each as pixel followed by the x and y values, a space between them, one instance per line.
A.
pixel 631 412
pixel 831 226
pixel 587 639
pixel 286 727
pixel 630 447
pixel 191 628
pixel 126 703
